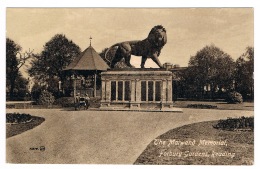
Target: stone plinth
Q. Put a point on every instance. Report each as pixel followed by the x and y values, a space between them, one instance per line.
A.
pixel 134 89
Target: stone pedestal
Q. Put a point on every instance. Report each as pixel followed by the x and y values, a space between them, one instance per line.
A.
pixel 135 89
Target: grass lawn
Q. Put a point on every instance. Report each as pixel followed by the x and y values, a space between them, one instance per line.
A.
pixel 220 105
pixel 182 146
pixel 15 129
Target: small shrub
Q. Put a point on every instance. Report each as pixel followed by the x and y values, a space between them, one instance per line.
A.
pixel 95 102
pixel 242 123
pixel 201 106
pixel 234 97
pixel 17 118
pixel 65 102
pixel 69 102
pixel 10 106
pixel 46 98
pixel 36 92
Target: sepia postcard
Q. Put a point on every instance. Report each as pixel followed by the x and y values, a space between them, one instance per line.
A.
pixel 134 86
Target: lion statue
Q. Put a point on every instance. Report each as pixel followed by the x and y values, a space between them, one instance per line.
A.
pixel 147 48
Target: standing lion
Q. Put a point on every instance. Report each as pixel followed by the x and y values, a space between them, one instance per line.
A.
pixel 147 48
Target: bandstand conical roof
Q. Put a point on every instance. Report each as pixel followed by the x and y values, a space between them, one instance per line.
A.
pixel 89 59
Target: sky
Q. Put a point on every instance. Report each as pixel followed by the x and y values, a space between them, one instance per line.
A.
pixel 188 29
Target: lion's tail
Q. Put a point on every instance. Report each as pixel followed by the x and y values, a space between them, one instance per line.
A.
pixel 109 50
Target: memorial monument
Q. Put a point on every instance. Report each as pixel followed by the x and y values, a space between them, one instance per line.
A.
pixel 147 48
pixel 138 88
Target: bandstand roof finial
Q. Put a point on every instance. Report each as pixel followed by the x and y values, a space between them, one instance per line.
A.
pixel 90 40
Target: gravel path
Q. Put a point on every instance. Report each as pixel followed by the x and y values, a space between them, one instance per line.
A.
pixel 99 137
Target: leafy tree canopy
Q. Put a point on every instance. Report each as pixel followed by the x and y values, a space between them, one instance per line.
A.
pixel 211 65
pixel 244 73
pixel 15 59
pixel 57 54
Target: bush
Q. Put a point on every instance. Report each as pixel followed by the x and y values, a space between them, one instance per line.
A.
pixel 69 102
pixel 17 118
pixel 242 123
pixel 95 102
pixel 46 98
pixel 65 102
pixel 234 97
pixel 36 92
pixel 202 106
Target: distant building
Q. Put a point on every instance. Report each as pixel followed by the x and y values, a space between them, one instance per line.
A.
pixel 168 65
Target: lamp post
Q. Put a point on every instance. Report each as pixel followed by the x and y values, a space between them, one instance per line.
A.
pixel 59 85
pixel 59 88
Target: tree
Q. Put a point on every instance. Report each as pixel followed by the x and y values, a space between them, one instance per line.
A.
pixel 56 55
pixel 244 81
pixel 210 66
pixel 14 61
pixel 20 90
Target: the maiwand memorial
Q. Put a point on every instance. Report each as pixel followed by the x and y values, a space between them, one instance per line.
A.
pixel 138 88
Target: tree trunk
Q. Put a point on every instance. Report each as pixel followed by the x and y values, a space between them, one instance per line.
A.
pixel 212 91
pixel 12 77
pixel 12 85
